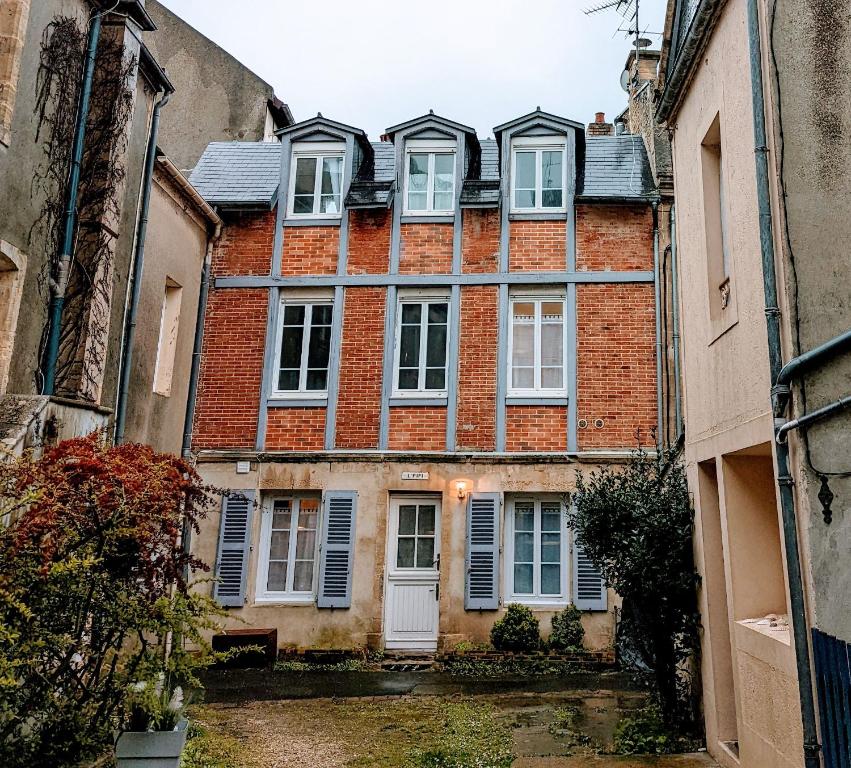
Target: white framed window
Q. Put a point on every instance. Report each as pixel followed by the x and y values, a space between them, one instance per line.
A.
pixel 303 348
pixel 316 180
pixel 536 346
pixel 287 567
pixel 537 551
pixel 422 343
pixel 429 177
pixel 538 174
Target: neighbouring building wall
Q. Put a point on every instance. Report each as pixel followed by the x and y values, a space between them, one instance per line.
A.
pixel 811 47
pixel 175 248
pixel 217 98
pixel 748 669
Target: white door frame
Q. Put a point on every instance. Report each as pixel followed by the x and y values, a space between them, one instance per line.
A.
pixel 420 582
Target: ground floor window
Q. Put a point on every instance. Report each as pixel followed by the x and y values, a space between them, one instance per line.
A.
pixel 536 550
pixel 288 547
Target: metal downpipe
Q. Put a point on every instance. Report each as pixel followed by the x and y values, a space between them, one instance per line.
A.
pixel 660 438
pixel 57 300
pixel 675 320
pixel 136 277
pixel 772 316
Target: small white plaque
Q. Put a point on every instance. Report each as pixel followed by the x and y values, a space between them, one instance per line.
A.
pixel 415 475
pixel 243 467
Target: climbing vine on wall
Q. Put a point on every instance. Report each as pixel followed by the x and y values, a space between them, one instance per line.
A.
pixel 86 319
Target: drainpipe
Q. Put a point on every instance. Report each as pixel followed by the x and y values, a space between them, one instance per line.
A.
pixel 136 277
pixel 57 300
pixel 656 287
pixel 675 319
pixel 197 344
pixel 772 316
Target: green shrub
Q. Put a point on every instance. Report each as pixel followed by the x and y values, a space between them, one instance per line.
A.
pixel 644 733
pixel 568 632
pixel 516 631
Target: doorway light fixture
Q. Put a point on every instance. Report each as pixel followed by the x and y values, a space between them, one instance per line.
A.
pixel 461 488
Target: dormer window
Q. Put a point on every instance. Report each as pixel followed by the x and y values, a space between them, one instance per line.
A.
pixel 316 180
pixel 429 177
pixel 538 174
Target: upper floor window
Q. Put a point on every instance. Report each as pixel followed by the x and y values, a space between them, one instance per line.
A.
pixel 429 177
pixel 316 180
pixel 304 347
pixel 421 347
pixel 536 346
pixel 538 174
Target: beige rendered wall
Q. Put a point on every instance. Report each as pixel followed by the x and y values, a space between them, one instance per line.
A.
pixel 750 699
pixel 361 625
pixel 175 248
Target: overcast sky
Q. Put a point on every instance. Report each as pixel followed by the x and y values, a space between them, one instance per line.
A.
pixel 375 63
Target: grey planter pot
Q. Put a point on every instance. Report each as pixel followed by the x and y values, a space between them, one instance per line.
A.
pixel 152 749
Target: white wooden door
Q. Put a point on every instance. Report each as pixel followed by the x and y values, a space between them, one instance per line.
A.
pixel 412 596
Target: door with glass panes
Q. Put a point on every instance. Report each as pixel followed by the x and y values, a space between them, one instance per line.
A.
pixel 412 596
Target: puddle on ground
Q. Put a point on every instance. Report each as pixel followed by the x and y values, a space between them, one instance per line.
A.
pixel 565 724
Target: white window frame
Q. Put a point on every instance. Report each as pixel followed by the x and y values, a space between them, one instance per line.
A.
pixel 539 145
pixel 537 391
pixel 302 393
pixel 536 599
pixel 431 147
pixel 262 594
pixel 319 150
pixel 422 298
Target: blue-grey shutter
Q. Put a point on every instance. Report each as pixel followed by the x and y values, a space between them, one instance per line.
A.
pixel 589 589
pixel 336 555
pixel 234 546
pixel 481 591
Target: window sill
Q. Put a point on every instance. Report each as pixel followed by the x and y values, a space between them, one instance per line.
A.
pixel 418 400
pixel 286 600
pixel 533 400
pixel 297 402
pixel 539 604
pixel 427 218
pixel 318 221
pixel 558 215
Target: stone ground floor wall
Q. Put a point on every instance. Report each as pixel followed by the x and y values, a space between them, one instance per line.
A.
pixel 376 481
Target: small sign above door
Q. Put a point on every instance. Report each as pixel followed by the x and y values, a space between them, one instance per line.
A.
pixel 415 475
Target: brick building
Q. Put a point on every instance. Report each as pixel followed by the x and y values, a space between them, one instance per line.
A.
pixel 410 348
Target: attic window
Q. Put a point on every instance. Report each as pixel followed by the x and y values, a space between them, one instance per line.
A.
pixel 538 174
pixel 429 177
pixel 316 180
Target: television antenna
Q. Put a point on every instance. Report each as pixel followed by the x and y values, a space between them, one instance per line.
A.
pixel 628 11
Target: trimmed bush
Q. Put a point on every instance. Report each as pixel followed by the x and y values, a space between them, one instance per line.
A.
pixel 568 632
pixel 518 630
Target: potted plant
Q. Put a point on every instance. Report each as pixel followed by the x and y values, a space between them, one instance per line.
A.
pixel 156 727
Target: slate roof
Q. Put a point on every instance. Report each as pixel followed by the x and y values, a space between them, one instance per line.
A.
pixel 484 191
pixel 616 168
pixel 246 173
pixel 238 172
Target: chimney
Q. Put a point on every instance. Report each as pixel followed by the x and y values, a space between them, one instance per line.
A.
pixel 600 127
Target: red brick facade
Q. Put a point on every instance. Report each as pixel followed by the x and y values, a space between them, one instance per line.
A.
pixel 615 334
pixel 614 237
pixel 616 379
pixel 535 246
pixel 245 247
pixel 425 249
pixel 359 402
pixel 535 428
pixel 369 242
pixel 295 429
pixel 476 423
pixel 310 250
pixel 231 368
pixel 418 428
pixel 480 241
